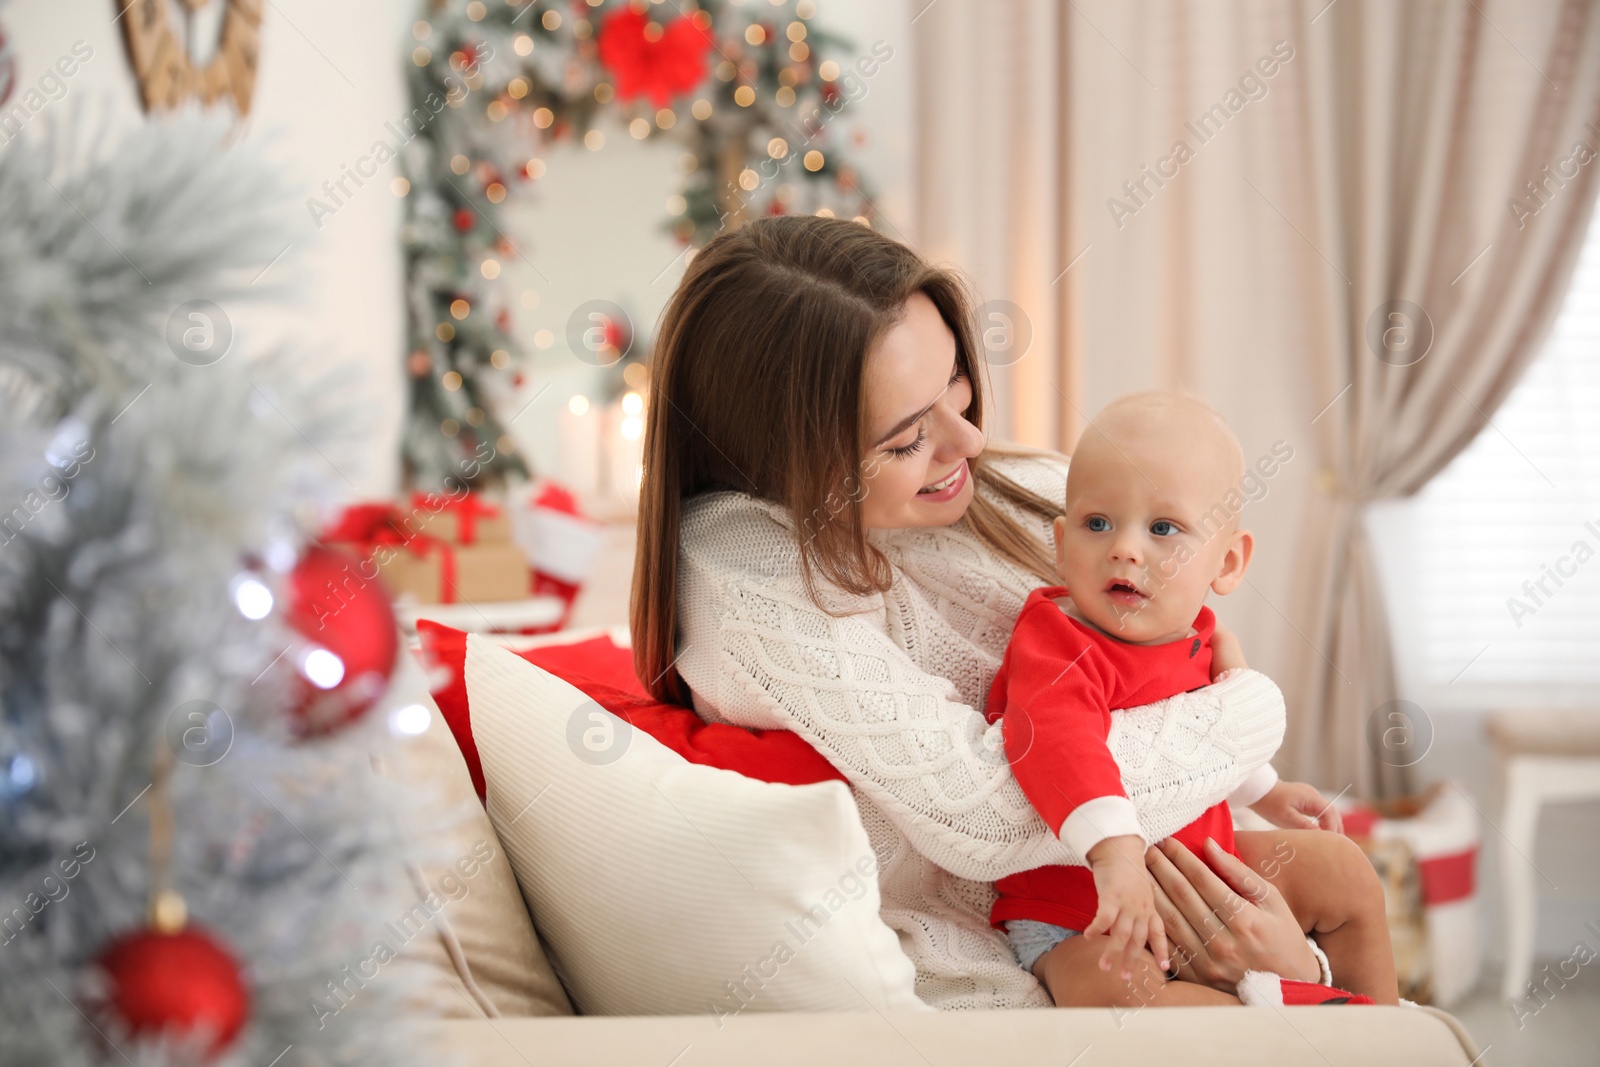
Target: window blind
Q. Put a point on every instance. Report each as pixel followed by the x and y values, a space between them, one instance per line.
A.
pixel 1492 572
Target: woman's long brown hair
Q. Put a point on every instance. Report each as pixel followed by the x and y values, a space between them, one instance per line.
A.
pixel 756 386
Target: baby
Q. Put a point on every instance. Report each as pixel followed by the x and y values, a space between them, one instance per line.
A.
pixel 1147 532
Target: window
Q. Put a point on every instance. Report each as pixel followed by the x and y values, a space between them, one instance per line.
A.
pixel 1492 573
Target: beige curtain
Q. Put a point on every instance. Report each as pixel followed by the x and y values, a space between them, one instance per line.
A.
pixel 1422 127
pixel 991 164
pixel 1334 158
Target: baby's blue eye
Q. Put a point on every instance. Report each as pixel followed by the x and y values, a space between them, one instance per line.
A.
pixel 1163 528
pixel 1098 523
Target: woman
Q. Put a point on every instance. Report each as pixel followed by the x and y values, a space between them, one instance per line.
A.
pixel 828 545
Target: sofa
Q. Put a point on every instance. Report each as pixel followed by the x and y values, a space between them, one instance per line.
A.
pixel 481 981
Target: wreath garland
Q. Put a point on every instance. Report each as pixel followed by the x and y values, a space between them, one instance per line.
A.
pixel 742 84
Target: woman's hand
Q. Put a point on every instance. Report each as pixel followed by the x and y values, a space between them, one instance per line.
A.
pixel 1219 929
pixel 1225 652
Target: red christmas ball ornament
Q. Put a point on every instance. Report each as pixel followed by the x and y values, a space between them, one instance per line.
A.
pixel 338 606
pixel 502 321
pixel 181 981
pixel 650 58
pixel 464 219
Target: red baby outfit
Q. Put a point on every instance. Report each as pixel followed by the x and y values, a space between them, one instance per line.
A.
pixel 1057 686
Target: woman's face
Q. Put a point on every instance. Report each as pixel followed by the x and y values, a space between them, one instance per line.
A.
pixel 914 471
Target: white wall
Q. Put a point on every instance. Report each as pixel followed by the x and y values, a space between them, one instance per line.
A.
pixel 329 77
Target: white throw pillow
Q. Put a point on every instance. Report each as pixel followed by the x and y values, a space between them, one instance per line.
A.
pixel 660 886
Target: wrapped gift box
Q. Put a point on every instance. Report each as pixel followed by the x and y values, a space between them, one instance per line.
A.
pixel 469 520
pixel 451 574
pixel 1425 849
pixel 478 561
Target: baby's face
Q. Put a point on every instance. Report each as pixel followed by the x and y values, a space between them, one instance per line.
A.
pixel 1146 533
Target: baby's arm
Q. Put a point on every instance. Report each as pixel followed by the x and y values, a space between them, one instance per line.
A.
pixel 1056 692
pixel 1056 696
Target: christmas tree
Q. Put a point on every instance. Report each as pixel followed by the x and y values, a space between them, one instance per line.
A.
pixel 195 855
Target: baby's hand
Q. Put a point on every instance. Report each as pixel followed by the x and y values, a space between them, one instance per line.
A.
pixel 1225 652
pixel 1127 914
pixel 1297 806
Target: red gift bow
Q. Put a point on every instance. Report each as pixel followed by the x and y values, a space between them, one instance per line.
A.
pixel 367 526
pixel 467 509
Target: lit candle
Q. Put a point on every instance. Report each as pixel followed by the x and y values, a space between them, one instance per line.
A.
pixel 626 435
pixel 578 444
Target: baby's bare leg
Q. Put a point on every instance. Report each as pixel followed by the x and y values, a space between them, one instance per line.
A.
pixel 1330 885
pixel 1072 974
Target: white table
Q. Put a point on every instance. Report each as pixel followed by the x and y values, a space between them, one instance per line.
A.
pixel 498 616
pixel 1545 757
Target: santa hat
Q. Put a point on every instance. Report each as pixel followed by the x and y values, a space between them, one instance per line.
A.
pixel 560 541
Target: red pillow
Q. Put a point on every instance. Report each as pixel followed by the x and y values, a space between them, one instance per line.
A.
pixel 603 671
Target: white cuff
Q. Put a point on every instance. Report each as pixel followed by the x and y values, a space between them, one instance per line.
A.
pixel 1322 961
pixel 1095 820
pixel 1257 784
pixel 1260 989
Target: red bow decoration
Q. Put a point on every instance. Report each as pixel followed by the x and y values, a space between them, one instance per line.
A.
pixel 364 527
pixel 467 510
pixel 670 65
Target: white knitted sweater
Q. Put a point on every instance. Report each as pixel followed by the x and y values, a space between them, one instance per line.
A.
pixel 892 695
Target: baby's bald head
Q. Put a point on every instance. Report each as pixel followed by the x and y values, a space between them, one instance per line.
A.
pixel 1177 442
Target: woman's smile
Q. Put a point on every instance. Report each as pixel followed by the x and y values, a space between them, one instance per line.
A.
pixel 947 487
pixel 917 384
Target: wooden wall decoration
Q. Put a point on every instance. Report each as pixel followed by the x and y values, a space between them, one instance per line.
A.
pixel 160 54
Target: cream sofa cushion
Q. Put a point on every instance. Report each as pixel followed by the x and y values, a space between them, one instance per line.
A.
pixel 663 886
pixel 482 956
pixel 1365 1036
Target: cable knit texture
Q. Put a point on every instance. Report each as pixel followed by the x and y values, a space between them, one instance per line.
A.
pixel 890 690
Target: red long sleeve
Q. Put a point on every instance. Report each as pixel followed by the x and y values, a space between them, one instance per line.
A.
pixel 1054 691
